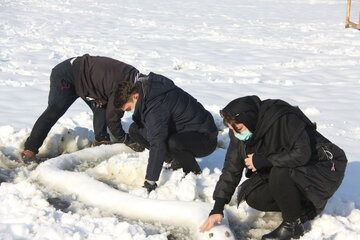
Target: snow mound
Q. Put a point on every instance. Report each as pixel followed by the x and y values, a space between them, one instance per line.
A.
pixel 60 174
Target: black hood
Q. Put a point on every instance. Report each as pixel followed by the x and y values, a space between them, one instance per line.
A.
pixel 157 85
pixel 245 110
pixel 259 116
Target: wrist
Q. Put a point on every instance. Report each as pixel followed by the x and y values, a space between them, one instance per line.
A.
pixel 151 182
pixel 218 206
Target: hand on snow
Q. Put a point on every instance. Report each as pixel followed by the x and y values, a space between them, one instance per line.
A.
pixel 209 223
pixel 150 185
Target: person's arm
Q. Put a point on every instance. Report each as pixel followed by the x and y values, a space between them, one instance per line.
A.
pixel 228 181
pixel 113 120
pixel 232 170
pixel 156 123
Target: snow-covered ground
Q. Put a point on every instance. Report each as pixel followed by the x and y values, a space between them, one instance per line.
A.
pixel 296 50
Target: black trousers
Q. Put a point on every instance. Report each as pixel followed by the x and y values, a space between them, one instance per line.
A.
pixel 62 94
pixel 182 147
pixel 280 194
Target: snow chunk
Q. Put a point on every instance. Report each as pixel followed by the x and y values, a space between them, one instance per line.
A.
pixel 311 111
pixel 55 174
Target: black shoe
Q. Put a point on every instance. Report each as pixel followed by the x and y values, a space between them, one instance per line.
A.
pixel 168 158
pixel 103 142
pixel 197 172
pixel 175 165
pixel 195 169
pixel 286 231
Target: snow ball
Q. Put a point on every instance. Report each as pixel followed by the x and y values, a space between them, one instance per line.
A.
pixel 354 218
pixel 206 172
pixel 186 190
pixel 19 229
pixel 6 130
pixel 311 111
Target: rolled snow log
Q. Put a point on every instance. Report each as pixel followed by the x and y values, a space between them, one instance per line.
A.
pixel 57 174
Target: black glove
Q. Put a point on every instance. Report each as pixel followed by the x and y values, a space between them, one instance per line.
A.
pixel 127 140
pixel 123 138
pixel 150 185
pixel 136 147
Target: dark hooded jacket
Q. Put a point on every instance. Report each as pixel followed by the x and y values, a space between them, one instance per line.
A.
pixel 164 109
pixel 283 137
pixel 97 78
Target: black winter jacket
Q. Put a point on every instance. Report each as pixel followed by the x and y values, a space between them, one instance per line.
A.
pixel 285 137
pixel 97 78
pixel 164 109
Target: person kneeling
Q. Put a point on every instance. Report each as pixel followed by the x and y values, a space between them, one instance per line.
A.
pixel 169 122
pixel 291 167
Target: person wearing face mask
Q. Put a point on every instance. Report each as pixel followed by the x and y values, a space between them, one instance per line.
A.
pixel 291 168
pixel 169 122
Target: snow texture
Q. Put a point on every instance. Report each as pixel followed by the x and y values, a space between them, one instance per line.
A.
pixel 295 50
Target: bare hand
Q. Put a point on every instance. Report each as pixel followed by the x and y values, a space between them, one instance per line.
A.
pixel 249 162
pixel 209 223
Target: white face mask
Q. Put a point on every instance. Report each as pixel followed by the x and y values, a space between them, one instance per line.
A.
pixel 244 135
pixel 131 112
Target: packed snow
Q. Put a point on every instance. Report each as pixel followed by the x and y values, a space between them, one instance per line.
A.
pixel 295 50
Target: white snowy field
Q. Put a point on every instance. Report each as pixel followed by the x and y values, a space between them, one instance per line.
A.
pixel 296 50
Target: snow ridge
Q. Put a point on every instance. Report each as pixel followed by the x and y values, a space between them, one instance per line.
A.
pixel 57 173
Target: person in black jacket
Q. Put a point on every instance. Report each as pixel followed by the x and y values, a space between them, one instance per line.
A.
pixel 291 167
pixel 92 78
pixel 169 122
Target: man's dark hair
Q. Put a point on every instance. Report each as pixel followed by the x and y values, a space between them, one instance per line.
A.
pixel 123 93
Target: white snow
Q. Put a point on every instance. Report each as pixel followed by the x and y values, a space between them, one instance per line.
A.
pixel 55 174
pixel 296 50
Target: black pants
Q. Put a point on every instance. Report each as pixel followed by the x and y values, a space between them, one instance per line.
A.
pixel 62 94
pixel 280 193
pixel 182 147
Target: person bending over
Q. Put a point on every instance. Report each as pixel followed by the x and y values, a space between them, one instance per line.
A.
pixel 93 79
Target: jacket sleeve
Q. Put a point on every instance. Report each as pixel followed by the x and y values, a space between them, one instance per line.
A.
pixel 231 172
pixel 298 155
pixel 113 119
pixel 157 126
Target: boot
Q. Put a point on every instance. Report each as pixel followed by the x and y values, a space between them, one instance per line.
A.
pixel 28 156
pixel 175 165
pixel 286 231
pixel 195 169
pixel 102 142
